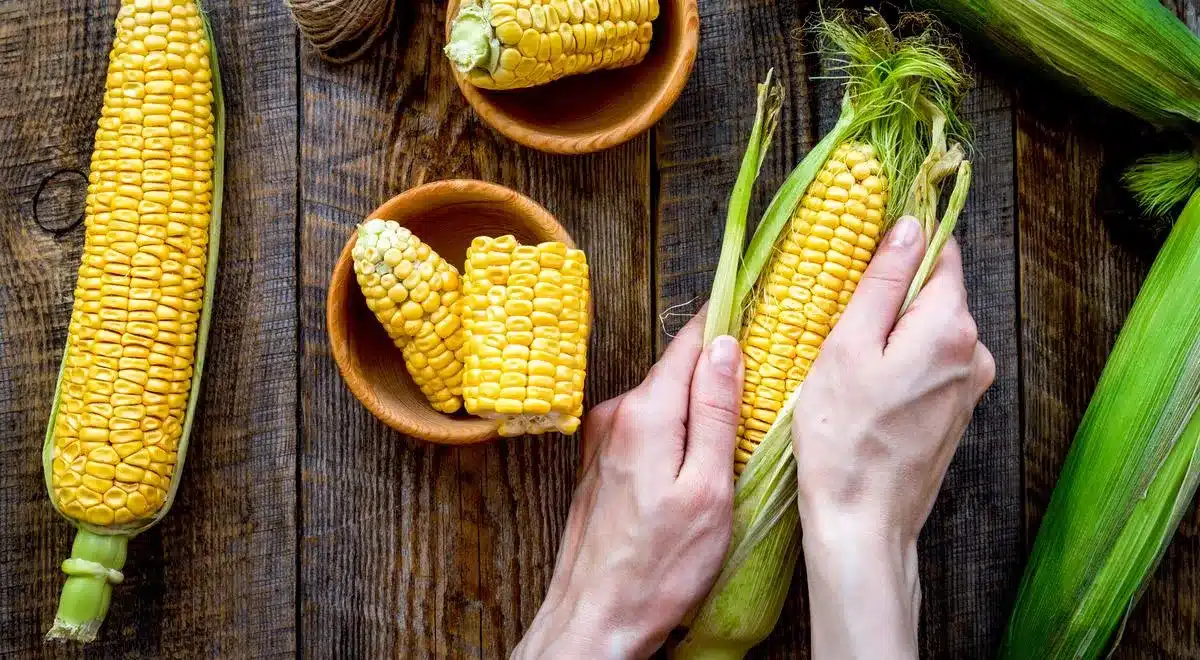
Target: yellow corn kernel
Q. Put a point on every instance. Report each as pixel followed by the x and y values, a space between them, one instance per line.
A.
pixel 111 386
pixel 415 295
pixel 510 44
pixel 526 314
pixel 807 284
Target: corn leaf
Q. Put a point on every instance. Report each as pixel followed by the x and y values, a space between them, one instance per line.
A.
pixel 1133 54
pixel 1130 474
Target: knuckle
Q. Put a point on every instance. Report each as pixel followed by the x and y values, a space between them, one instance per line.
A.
pixel 959 336
pixel 712 406
pixel 986 369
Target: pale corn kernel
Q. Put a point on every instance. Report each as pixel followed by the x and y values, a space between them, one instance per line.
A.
pixel 415 295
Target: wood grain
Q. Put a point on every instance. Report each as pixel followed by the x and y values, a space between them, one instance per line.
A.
pixel 969 547
pixel 410 549
pixel 217 576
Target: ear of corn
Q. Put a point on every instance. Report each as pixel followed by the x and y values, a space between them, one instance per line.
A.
pixel 129 384
pixel 415 295
pixel 1138 445
pixel 510 44
pixel 526 312
pixel 822 256
pixel 796 276
pixel 1133 54
pixel 1132 469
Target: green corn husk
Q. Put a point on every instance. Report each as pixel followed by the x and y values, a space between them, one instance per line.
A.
pixel 1131 472
pixel 900 97
pixel 98 553
pixel 1132 54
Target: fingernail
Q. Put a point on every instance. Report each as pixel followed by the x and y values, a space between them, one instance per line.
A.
pixel 725 355
pixel 905 233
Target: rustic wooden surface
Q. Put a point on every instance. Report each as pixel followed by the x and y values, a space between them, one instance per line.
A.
pixel 306 526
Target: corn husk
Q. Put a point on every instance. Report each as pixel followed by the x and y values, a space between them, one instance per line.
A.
pixel 98 553
pixel 1131 472
pixel 1130 475
pixel 1132 54
pixel 900 97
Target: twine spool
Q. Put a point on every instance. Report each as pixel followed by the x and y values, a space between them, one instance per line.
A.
pixel 342 30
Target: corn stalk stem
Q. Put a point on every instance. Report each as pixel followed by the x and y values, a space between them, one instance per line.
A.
pixel 92 570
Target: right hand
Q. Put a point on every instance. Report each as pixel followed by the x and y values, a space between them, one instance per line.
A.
pixel 876 424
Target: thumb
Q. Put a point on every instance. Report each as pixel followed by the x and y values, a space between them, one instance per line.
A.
pixel 871 313
pixel 713 409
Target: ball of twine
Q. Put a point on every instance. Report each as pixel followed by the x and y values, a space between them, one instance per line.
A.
pixel 342 30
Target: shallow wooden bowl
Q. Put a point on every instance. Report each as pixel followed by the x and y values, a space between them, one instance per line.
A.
pixel 594 111
pixel 447 215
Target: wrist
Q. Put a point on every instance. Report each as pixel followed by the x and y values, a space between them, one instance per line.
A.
pixel 583 627
pixel 865 575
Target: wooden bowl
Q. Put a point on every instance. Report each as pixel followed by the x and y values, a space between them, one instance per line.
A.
pixel 586 113
pixel 447 215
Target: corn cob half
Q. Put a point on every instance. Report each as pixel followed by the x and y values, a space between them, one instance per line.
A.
pixel 808 282
pixel 526 314
pixel 510 44
pixel 129 383
pixel 415 295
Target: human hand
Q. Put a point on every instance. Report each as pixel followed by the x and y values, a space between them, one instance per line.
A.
pixel 650 521
pixel 875 427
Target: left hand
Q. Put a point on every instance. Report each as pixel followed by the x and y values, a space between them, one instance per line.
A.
pixel 650 521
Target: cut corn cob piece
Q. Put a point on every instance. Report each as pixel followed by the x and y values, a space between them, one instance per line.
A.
pixel 415 295
pixel 525 310
pixel 129 385
pixel 131 343
pixel 510 44
pixel 808 282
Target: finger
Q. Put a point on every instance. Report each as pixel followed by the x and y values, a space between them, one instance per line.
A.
pixel 983 370
pixel 666 386
pixel 713 408
pixel 871 314
pixel 597 428
pixel 683 350
pixel 946 283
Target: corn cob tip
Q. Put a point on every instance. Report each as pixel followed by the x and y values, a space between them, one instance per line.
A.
pixel 414 294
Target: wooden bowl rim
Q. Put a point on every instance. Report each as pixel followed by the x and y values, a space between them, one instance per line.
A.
pixel 654 107
pixel 450 430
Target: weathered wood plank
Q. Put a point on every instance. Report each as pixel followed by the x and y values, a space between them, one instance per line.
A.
pixel 969 548
pixel 410 549
pixel 217 576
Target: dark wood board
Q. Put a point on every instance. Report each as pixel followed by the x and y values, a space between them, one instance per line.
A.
pixel 306 526
pixel 218 575
pixel 410 549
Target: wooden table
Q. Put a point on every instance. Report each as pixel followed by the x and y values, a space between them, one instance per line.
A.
pixel 303 524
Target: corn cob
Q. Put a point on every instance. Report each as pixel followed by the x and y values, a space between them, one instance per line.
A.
pixel 510 44
pixel 415 295
pixel 809 280
pixel 135 345
pixel 525 310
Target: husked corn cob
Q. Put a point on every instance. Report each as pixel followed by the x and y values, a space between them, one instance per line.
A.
pixel 415 295
pixel 525 309
pixel 131 342
pixel 808 282
pixel 509 44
